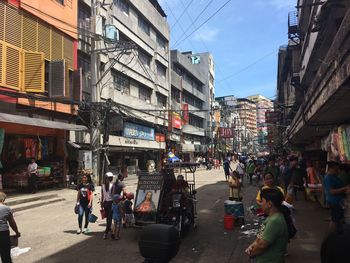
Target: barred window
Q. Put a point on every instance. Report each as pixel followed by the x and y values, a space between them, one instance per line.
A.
pixel 161 100
pixel 121 83
pixel 145 59
pixel 162 42
pixel 145 94
pixel 161 70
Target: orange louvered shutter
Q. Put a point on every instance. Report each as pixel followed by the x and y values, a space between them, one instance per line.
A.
pixel 2 63
pixel 57 84
pixel 33 72
pixel 13 26
pixel 2 19
pixel 13 62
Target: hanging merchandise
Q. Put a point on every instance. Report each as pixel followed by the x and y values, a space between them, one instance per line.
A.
pixel 347 133
pixel 39 149
pixel 45 147
pixel 2 136
pixel 341 145
pixel 334 144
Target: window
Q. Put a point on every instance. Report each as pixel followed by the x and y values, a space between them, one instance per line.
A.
pixel 84 64
pixel 161 100
pixel 175 94
pixel 60 1
pixel 145 94
pixel 123 6
pixel 162 42
pixel 47 75
pixel 143 24
pixel 121 83
pixel 195 121
pixel 145 59
pixel 161 70
pixel 178 70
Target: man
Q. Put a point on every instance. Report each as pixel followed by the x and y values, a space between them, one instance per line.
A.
pixel 273 169
pixel 240 170
pixel 32 172
pixel 271 243
pixel 181 185
pixel 335 193
pixel 250 170
pixel 227 167
pixel 294 177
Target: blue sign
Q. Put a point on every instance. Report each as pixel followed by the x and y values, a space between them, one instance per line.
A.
pixel 136 131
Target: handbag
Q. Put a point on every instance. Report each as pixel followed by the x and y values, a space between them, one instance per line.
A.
pixel 103 213
pixel 76 209
pixel 92 218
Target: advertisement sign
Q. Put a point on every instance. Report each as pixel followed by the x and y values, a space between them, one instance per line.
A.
pixel 217 116
pixel 136 131
pixel 147 197
pixel 177 121
pixel 226 133
pixel 185 114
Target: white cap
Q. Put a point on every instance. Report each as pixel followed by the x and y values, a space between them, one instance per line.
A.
pixel 109 174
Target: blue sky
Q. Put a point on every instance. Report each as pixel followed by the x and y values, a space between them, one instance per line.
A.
pixel 244 38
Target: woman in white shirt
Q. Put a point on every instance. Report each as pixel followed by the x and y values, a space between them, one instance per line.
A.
pixel 107 200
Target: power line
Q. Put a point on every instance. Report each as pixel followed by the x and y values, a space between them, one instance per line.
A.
pixel 178 19
pixel 210 17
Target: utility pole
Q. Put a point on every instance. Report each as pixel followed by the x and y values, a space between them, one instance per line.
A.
pixel 95 99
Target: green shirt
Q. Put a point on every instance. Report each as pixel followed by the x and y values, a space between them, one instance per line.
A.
pixel 274 232
pixel 250 168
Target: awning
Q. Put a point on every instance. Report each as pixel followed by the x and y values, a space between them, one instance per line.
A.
pixel 4 117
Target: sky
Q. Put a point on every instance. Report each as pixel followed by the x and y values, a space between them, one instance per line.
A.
pixel 244 38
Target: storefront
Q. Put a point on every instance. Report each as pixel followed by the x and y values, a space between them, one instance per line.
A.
pixel 24 138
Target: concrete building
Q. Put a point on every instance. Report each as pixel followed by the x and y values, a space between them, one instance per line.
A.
pixel 136 80
pixel 263 105
pixel 190 80
pixel 248 114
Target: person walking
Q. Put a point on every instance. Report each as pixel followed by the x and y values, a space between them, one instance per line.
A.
pixel 84 203
pixel 250 170
pixel 117 215
pixel 271 242
pixel 335 194
pixel 32 176
pixel 106 201
pixel 273 169
pixel 240 170
pixel 227 167
pixel 6 219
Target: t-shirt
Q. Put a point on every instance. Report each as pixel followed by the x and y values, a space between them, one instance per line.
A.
pixel 32 167
pixel 118 187
pixel 274 231
pixel 250 168
pixel 117 215
pixel 333 182
pixel 107 195
pixel 226 165
pixel 85 193
pixel 240 168
pixel 5 213
pixel 128 207
pixel 258 197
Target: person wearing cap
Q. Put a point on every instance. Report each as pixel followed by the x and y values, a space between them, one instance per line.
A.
pixel 117 215
pixel 335 193
pixel 106 201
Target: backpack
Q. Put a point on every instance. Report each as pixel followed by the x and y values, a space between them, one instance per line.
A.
pixel 289 221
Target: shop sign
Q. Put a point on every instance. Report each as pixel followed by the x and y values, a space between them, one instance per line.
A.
pixel 131 141
pixel 136 131
pixel 185 114
pixel 176 121
pixel 174 137
pixel 226 133
pixel 160 137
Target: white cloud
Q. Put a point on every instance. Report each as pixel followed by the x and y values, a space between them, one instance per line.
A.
pixel 207 34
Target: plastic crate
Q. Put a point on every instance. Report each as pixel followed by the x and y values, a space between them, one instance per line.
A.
pixel 234 208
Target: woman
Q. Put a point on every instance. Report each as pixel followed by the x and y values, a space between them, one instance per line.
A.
pixel 107 200
pixel 6 219
pixel 268 183
pixel 235 187
pixel 84 203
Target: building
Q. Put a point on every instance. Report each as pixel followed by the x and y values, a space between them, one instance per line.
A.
pixel 133 76
pixel 315 67
pixel 189 89
pixel 248 114
pixel 263 105
pixel 39 88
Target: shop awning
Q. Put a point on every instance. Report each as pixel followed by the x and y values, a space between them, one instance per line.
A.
pixel 4 117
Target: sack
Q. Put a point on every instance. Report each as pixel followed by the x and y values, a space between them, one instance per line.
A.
pixel 76 209
pixel 103 213
pixel 92 218
pixel 289 221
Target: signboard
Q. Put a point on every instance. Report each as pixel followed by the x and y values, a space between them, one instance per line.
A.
pixel 136 131
pixel 185 114
pixel 147 197
pixel 177 121
pixel 226 133
pixel 195 59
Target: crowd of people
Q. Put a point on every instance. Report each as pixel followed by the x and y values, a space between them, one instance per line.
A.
pixel 280 182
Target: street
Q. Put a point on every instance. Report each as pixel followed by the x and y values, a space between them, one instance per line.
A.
pixel 50 231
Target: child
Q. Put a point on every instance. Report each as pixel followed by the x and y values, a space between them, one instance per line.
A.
pixel 129 216
pixel 117 215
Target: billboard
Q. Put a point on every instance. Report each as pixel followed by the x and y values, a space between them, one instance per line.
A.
pixel 226 133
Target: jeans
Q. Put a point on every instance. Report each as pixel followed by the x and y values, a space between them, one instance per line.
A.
pixel 107 206
pixel 83 210
pixel 32 183
pixel 5 247
pixel 250 178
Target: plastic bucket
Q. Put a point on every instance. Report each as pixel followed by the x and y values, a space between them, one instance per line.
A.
pixel 229 222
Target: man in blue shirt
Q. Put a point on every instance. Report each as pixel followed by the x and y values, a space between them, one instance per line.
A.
pixel 335 193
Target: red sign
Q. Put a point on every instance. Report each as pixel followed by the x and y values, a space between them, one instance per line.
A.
pixel 226 133
pixel 185 114
pixel 177 121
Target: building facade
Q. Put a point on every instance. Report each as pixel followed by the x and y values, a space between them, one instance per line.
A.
pixel 248 114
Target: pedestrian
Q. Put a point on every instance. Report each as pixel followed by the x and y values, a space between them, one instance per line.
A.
pixel 250 170
pixel 129 216
pixel 84 203
pixel 274 170
pixel 227 167
pixel 240 170
pixel 106 201
pixel 32 176
pixel 117 215
pixel 271 242
pixel 269 183
pixel 335 194
pixel 119 186
pixel 6 219
pixel 235 187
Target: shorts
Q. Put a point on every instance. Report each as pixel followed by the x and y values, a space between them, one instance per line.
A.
pixel 337 213
pixel 129 218
pixel 117 223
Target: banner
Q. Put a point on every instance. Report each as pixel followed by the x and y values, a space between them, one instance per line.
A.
pixel 177 121
pixel 136 131
pixel 226 133
pixel 185 114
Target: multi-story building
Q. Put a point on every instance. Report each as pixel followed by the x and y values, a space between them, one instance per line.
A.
pixel 39 87
pixel 135 79
pixel 248 114
pixel 188 89
pixel 315 67
pixel 263 105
